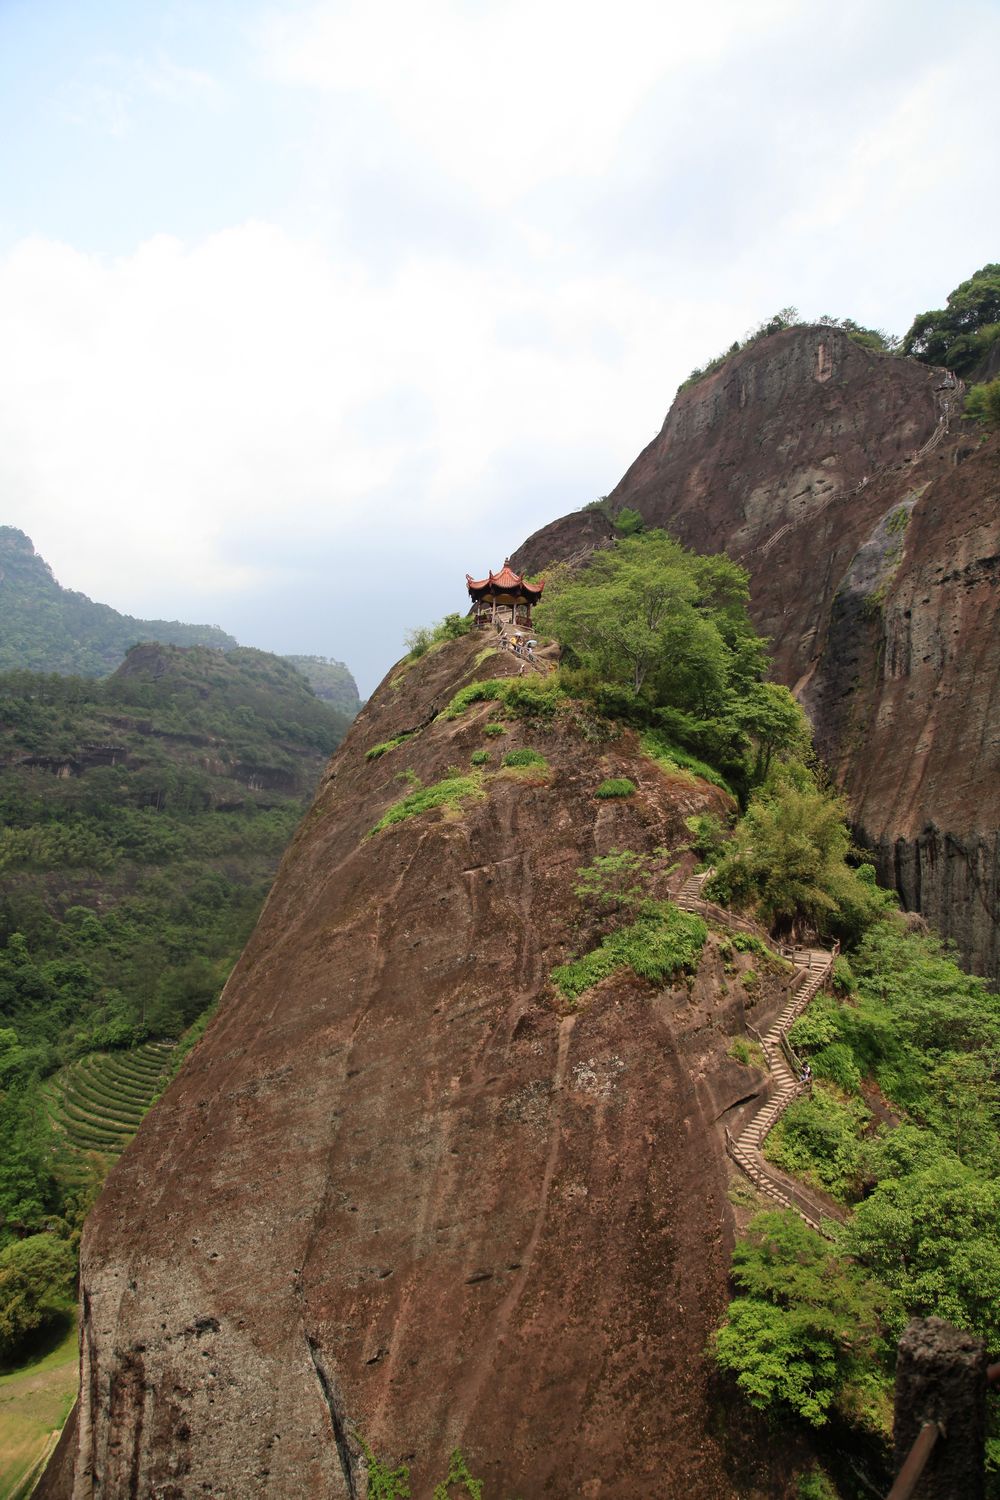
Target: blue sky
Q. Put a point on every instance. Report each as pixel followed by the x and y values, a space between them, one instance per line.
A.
pixel 309 308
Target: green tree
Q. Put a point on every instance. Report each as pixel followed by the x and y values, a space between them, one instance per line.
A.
pixel 982 403
pixel 775 724
pixel 930 1237
pixel 619 879
pixel 804 1323
pixel 619 614
pixel 959 334
pixel 787 857
pixel 36 1286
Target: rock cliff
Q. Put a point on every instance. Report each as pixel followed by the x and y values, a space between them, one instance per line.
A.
pixel 399 1192
pixel 869 521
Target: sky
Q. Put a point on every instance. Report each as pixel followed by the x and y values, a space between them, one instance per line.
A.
pixel 309 309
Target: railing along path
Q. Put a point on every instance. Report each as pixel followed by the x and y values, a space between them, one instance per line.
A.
pixel 814 966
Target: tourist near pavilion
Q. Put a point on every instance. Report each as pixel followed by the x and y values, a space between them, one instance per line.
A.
pixel 499 592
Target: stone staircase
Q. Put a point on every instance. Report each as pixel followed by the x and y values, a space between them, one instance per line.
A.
pixel 814 966
pixel 689 897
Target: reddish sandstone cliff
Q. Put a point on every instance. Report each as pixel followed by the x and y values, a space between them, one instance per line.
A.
pixel 869 519
pixel 398 1191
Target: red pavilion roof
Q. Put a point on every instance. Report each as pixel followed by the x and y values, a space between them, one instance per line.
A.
pixel 504 582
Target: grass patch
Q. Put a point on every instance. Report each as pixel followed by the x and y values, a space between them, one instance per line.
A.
pixel 451 791
pixel 524 757
pixel 377 751
pixel 490 690
pixel 615 786
pixel 526 697
pixel 678 762
pixel 479 757
pixel 750 1054
pixel 35 1401
pixel 747 942
pixel 663 941
pixel 494 729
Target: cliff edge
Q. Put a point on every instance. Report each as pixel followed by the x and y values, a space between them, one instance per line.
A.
pixel 400 1193
pixel 868 517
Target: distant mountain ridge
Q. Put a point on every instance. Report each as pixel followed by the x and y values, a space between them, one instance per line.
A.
pixel 47 628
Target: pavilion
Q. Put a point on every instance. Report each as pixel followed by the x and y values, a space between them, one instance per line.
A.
pixel 497 593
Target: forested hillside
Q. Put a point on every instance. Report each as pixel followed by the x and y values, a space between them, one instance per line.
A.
pixel 47 628
pixel 143 819
pixel 330 680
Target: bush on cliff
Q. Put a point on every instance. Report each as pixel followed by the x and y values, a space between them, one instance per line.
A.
pixel 423 637
pixel 662 942
pixel 982 404
pixel 661 638
pixel 804 1325
pixel 961 334
pixel 788 860
pixel 451 791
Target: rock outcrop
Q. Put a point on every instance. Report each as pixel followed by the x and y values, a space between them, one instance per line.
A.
pixel 869 519
pixel 400 1193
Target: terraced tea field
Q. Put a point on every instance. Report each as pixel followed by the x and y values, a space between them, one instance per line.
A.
pixel 96 1105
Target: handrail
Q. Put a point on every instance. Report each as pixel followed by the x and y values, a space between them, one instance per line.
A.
pixel 916 1461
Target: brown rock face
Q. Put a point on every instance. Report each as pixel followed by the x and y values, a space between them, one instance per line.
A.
pixel 398 1193
pixel 869 520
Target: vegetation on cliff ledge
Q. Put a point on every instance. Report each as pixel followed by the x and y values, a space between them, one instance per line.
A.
pixel 962 334
pixel 659 637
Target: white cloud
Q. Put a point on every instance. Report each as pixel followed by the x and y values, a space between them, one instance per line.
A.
pixel 504 97
pixel 163 400
pixel 496 237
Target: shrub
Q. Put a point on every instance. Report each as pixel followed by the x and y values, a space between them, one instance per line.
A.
pixel 836 1063
pixel 629 522
pixel 36 1281
pixel 615 786
pixel 750 1054
pixel 802 1324
pixel 620 878
pixel 982 403
pixel 672 759
pixel 663 941
pixel 788 858
pixel 815 1486
pixel 418 641
pixel 475 692
pixel 533 697
pixel 479 757
pixel 424 637
pixel 708 835
pixel 524 757
pixel 817 1138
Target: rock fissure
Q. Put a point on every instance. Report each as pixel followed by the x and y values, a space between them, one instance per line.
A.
pixel 338 1422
